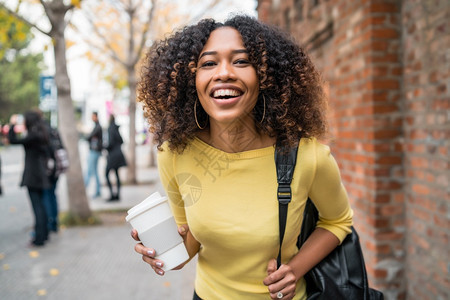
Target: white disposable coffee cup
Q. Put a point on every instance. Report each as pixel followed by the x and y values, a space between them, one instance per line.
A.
pixel 156 227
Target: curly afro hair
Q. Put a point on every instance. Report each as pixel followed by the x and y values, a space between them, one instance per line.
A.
pixel 289 82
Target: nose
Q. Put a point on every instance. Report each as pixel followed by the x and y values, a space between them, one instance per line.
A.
pixel 224 72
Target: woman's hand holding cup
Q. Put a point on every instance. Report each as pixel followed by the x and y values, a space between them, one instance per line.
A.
pixel 148 254
pixel 162 246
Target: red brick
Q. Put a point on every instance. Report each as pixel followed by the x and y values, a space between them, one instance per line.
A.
pixel 384 33
pixel 389 236
pixel 421 214
pixel 391 210
pixel 378 222
pixel 443 151
pixel 389 160
pixel 383 7
pixel 373 20
pixel 397 71
pixel 434 77
pixel 417 66
pixel 386 84
pixel 384 198
pixel 399 198
pixel 383 109
pixel 441 104
pixel 381 172
pixel 379 148
pixel 378 45
pixel 420 189
pixel 421 242
pixel 384 134
pixel 417 134
pixel 384 58
pixel 441 89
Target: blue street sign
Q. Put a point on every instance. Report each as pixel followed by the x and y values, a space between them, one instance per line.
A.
pixel 47 90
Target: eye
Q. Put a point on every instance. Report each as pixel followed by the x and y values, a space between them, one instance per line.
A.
pixel 207 64
pixel 242 61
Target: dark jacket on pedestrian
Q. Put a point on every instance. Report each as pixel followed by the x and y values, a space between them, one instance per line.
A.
pixel 115 158
pixel 95 139
pixel 35 144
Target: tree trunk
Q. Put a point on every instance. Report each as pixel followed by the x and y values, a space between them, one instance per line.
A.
pixel 131 167
pixel 78 202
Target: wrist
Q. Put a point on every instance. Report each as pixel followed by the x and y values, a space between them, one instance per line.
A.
pixel 297 269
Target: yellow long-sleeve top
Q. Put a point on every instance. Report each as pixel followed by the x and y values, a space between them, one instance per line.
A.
pixel 229 201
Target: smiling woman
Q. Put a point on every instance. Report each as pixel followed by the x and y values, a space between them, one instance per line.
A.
pixel 218 98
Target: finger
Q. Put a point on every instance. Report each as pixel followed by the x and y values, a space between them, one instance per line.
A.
pixel 271 266
pixel 134 235
pixel 156 265
pixel 286 296
pixel 183 229
pixel 274 275
pixel 160 272
pixel 141 249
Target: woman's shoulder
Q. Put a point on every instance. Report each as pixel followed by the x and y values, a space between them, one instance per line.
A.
pixel 313 144
pixel 313 150
pixel 164 152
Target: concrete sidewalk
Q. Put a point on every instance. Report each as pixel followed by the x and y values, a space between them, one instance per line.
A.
pixel 95 262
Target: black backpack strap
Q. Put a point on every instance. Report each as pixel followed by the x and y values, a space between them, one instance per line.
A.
pixel 285 161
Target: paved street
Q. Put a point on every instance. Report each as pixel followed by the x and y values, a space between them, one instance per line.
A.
pixel 95 262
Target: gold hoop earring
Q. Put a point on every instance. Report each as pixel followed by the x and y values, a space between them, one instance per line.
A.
pixel 264 109
pixel 195 116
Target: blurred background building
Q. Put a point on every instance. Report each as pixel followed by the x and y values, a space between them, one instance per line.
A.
pixel 387 67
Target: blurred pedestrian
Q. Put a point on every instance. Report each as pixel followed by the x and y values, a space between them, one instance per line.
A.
pixel 95 140
pixel 53 172
pixel 1 189
pixel 34 176
pixel 115 158
pixel 1 144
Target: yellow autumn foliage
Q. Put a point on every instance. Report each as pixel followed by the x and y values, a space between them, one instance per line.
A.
pixel 76 3
pixel 69 43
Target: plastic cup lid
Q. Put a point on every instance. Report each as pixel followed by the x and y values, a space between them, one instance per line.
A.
pixel 152 200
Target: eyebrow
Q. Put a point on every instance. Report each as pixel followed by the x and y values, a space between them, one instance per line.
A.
pixel 215 52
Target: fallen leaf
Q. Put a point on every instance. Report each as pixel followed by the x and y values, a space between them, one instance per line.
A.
pixel 34 254
pixel 42 292
pixel 12 209
pixel 54 272
pixel 2 256
pixel 6 267
pixel 167 283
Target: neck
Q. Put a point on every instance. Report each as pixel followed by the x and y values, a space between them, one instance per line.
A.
pixel 237 137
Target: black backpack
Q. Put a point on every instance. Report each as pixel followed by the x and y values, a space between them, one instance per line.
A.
pixel 342 274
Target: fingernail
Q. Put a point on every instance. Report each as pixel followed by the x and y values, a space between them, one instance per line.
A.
pixel 150 252
pixel 159 264
pixel 160 272
pixel 182 230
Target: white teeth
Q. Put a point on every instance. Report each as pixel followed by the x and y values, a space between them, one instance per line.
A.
pixel 226 92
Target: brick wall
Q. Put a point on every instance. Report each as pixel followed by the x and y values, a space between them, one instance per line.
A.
pixel 386 64
pixel 426 84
